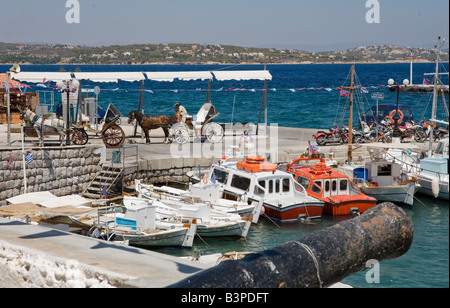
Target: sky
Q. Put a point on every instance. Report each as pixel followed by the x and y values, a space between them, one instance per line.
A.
pixel 308 25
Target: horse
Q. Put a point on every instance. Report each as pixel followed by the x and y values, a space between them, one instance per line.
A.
pixel 148 123
pixel 40 124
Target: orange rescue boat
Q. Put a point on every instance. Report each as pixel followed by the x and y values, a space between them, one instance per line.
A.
pixel 340 194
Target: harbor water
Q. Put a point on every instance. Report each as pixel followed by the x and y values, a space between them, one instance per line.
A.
pixel 298 96
pixel 425 265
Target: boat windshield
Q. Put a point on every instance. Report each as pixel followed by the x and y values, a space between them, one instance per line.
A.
pixel 316 189
pixel 440 148
pixel 221 175
pixel 354 190
pixel 303 181
pixel 240 182
pixel 299 189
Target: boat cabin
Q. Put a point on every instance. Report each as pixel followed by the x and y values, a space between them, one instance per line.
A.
pixel 322 181
pixel 377 173
pixel 254 178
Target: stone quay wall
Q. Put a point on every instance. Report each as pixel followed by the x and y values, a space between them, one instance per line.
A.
pixel 61 171
pixel 164 171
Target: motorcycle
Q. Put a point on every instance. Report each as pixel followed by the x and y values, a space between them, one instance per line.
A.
pixel 440 132
pixel 423 132
pixel 335 135
pixel 357 136
pixel 371 132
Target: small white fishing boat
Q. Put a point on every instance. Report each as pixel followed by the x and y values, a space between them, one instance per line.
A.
pixel 431 172
pixel 209 193
pixel 433 176
pixel 383 180
pixel 210 223
pixel 141 226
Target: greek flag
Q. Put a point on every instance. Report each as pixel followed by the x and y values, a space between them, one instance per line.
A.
pixel 9 162
pixel 105 191
pixel 6 88
pixel 29 158
pixel 96 233
pixel 213 178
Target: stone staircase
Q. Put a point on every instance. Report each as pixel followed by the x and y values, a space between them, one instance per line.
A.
pixel 104 182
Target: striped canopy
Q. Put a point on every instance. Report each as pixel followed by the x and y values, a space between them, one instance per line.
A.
pixel 12 83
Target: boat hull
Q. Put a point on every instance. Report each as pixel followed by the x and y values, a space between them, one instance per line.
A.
pixel 231 229
pixel 348 207
pixel 160 239
pixel 294 212
pixel 426 188
pixel 402 194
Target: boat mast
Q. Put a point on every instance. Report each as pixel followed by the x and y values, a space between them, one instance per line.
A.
pixel 435 95
pixel 350 119
pixel 411 71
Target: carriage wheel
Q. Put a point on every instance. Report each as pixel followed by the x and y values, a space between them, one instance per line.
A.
pixel 78 137
pixel 214 132
pixel 113 137
pixel 180 133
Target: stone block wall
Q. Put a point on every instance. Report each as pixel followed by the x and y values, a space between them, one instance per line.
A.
pixel 61 171
pixel 166 170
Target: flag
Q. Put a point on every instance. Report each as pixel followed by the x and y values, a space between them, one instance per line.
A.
pixel 213 178
pixel 9 163
pixel 246 138
pixel 344 92
pixel 96 233
pixel 104 191
pixel 29 158
pixel 364 90
pixel 6 88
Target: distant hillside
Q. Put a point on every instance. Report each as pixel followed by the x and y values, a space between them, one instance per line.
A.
pixel 202 54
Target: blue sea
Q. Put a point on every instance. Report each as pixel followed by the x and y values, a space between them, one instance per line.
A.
pixel 298 96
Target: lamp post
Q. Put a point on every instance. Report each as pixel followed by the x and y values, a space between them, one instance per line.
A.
pixel 396 132
pixel 68 86
pixel 15 69
pixel 8 106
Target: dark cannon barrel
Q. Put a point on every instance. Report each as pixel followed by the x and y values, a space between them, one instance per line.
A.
pixel 320 259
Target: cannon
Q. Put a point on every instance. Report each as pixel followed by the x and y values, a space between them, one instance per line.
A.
pixel 320 259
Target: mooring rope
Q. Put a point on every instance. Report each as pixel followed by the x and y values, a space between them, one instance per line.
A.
pixel 316 263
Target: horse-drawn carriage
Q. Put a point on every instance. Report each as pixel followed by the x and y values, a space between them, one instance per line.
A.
pixel 201 127
pixel 181 129
pixel 112 134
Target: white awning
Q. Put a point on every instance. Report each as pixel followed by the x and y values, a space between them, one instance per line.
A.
pixel 39 77
pixel 185 76
pixel 242 75
pixel 111 76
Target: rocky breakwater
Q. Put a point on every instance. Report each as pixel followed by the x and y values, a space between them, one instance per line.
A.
pixel 61 171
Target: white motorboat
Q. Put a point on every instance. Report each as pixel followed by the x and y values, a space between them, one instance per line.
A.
pixel 209 193
pixel 383 180
pixel 433 176
pixel 141 226
pixel 210 223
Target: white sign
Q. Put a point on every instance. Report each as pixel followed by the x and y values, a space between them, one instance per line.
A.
pixel 378 95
